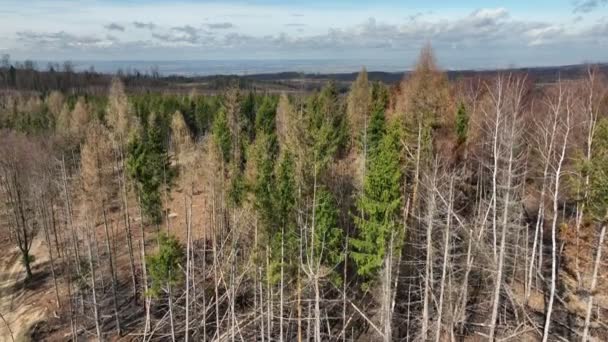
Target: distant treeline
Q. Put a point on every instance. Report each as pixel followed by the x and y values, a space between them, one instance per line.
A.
pixel 64 77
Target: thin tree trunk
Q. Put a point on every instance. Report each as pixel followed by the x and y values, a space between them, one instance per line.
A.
pixel 125 207
pixel 93 287
pixel 282 283
pixel 596 267
pixel 554 231
pixel 144 269
pixel 428 275
pixel 215 266
pixel 113 273
pixel 45 227
pixel 188 261
pixel 446 250
pixel 170 295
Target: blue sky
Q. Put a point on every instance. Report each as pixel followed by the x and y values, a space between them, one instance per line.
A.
pixel 478 34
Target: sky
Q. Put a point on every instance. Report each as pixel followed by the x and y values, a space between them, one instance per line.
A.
pixel 478 34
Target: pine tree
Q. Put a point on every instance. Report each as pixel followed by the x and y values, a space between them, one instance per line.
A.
pixel 379 206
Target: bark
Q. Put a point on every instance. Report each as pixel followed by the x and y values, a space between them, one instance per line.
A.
pixel 554 230
pixel 93 288
pixel 113 274
pixel 596 267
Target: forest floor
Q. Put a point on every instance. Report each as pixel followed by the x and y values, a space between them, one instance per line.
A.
pixel 23 302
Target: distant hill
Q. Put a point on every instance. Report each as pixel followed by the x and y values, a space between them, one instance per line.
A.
pixel 544 74
pixel 91 81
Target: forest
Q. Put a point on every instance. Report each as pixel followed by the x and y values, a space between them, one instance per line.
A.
pixel 470 208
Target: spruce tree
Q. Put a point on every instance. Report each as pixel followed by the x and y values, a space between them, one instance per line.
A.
pixel 150 167
pixel 598 171
pixel 329 238
pixel 462 123
pixel 221 135
pixel 326 126
pixel 264 180
pixel 379 206
pixel 265 118
pixel 248 113
pixel 283 204
pixel 164 265
pixel 376 128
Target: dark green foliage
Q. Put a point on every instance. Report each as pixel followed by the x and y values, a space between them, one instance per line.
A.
pixel 31 115
pixel 329 240
pixel 221 135
pixel 379 207
pixel 237 186
pixel 204 113
pixel 265 181
pixel 275 191
pixel 149 166
pixel 284 228
pixel 284 197
pixel 326 125
pixel 97 105
pixel 164 266
pixel 32 122
pixel 248 113
pixel 188 110
pixel 598 172
pixel 376 128
pixel 462 123
pixel 380 96
pixel 265 119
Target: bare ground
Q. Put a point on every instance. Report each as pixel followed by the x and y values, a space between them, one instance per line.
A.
pixel 23 303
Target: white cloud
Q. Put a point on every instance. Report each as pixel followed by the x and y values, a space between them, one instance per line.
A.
pixel 162 31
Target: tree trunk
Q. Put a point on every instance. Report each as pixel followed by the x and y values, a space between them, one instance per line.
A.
pixel 558 172
pixel 113 273
pixel 596 267
pixel 93 288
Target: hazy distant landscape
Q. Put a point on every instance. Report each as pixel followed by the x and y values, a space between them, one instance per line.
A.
pixel 239 67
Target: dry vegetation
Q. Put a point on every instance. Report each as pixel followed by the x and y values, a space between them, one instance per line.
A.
pixel 464 210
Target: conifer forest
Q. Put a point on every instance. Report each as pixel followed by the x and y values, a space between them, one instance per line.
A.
pixel 138 207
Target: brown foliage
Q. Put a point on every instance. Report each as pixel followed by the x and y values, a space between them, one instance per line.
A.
pixel 96 165
pixel 79 118
pixel 119 111
pixel 425 94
